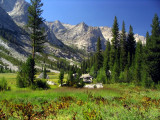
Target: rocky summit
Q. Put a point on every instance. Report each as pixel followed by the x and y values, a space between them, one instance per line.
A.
pixel 63 40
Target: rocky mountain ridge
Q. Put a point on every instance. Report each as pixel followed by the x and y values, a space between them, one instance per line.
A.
pixel 14 17
pixel 82 35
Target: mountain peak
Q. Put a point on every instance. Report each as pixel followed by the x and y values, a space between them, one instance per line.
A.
pixel 83 24
pixel 57 22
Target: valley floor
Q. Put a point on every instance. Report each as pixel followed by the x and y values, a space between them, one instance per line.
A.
pixel 114 101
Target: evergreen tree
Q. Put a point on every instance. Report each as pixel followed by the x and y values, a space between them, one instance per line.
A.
pixel 106 59
pixel 34 23
pixel 138 63
pixel 131 44
pixel 26 75
pixel 147 39
pixel 123 48
pixel 44 73
pixel 115 42
pixel 153 56
pixel 115 72
pixel 30 70
pixel 61 77
pixel 128 60
pixel 115 34
pixel 99 57
pixel 70 79
pixel 37 32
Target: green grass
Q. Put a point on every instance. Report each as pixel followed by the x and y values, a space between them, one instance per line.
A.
pixel 114 101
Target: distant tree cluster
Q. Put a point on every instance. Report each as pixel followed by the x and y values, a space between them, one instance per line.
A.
pixel 124 60
pixel 5 69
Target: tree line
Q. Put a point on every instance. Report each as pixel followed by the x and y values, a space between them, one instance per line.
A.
pixel 124 60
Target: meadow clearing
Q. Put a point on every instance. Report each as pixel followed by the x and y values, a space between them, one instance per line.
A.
pixel 114 101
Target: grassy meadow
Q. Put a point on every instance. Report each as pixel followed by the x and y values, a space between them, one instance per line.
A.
pixel 114 101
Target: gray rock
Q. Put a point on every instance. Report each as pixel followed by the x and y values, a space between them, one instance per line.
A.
pixel 41 76
pixel 51 83
pixel 91 86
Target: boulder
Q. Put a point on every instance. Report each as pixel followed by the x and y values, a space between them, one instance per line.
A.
pixel 91 86
pixel 41 76
pixel 51 83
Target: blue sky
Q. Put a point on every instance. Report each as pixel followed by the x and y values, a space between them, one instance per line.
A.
pixel 138 13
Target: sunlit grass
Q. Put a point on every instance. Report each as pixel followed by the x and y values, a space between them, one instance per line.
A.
pixel 114 101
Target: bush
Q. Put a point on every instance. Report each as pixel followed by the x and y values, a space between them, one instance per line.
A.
pixel 3 85
pixel 26 75
pixel 22 78
pixel 40 84
pixel 101 77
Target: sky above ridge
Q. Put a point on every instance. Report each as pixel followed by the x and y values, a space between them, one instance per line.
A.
pixel 138 13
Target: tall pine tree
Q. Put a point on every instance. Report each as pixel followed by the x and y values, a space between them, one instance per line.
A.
pixel 138 63
pixel 115 42
pixel 153 56
pixel 131 44
pixel 106 59
pixel 99 57
pixel 123 48
pixel 34 23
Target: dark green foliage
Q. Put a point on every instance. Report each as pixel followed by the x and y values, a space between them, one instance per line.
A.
pixel 26 75
pixel 115 34
pixel 147 39
pixel 115 72
pixel 101 77
pixel 107 59
pixel 3 84
pixel 138 63
pixel 128 62
pixel 34 23
pixel 126 76
pixel 123 48
pixel 40 84
pixel 115 43
pixel 44 73
pixel 112 57
pixel 31 71
pixel 131 44
pixel 153 49
pixel 61 77
pixel 99 57
pixel 81 84
pixel 70 79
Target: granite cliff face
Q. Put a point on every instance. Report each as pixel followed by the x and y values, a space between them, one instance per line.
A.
pixel 17 9
pixel 7 22
pixel 14 17
pixel 83 36
pixel 80 36
pixel 14 38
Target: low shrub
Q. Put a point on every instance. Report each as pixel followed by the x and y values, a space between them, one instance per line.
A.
pixel 40 84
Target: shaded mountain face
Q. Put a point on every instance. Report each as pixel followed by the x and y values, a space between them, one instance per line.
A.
pixel 8 5
pixel 14 37
pixel 17 9
pixel 6 22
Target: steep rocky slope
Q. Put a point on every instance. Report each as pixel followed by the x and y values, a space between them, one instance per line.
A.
pixel 82 35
